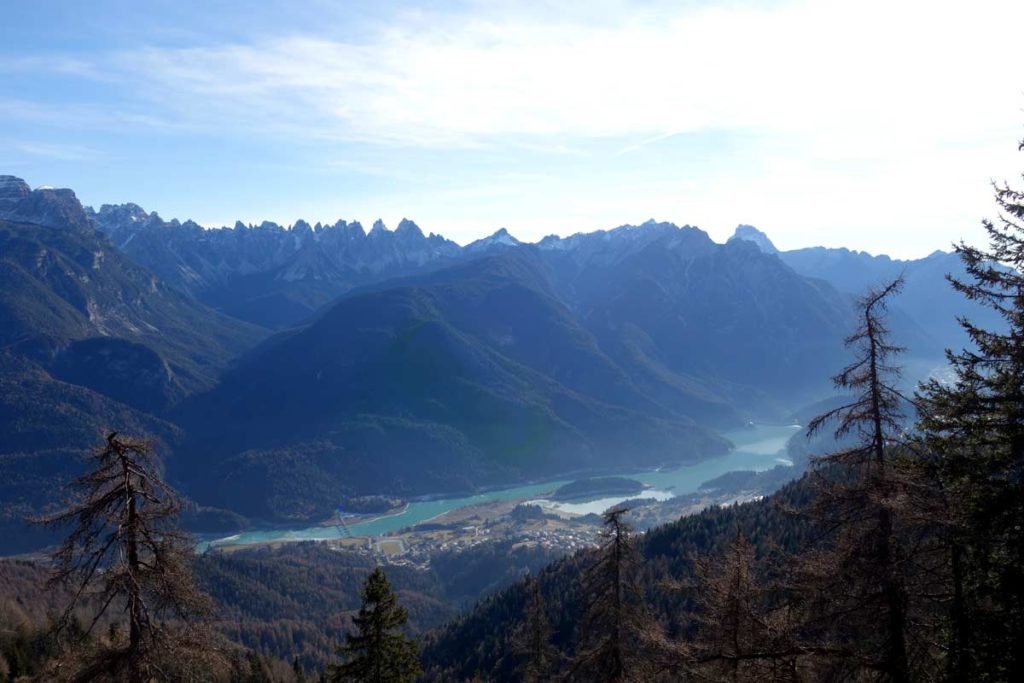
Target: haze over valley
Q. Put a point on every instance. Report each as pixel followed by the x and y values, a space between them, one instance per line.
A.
pixel 625 341
pixel 286 370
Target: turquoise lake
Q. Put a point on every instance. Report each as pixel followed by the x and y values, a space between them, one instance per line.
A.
pixel 759 447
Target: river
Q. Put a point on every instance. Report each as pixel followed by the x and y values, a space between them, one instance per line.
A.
pixel 759 447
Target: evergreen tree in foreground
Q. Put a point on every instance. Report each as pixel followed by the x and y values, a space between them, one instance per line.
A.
pixel 617 638
pixel 126 555
pixel 533 641
pixel 976 426
pixel 854 582
pixel 376 653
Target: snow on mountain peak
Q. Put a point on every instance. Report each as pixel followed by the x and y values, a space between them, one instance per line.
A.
pixel 749 233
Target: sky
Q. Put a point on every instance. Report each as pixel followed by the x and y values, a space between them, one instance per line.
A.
pixel 874 125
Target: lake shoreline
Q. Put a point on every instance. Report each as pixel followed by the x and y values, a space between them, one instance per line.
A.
pixel 754 448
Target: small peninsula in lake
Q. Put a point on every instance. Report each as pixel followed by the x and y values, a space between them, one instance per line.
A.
pixel 598 486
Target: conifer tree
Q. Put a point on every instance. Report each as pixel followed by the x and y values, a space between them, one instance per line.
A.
pixel 298 672
pixel 616 635
pixel 126 554
pixel 533 642
pixel 742 634
pixel 857 609
pixel 976 426
pixel 376 653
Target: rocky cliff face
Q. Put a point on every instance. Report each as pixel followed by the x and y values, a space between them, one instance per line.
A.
pixel 12 189
pixel 749 233
pixel 44 206
pixel 269 274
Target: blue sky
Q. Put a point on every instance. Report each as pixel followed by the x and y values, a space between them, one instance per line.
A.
pixel 874 125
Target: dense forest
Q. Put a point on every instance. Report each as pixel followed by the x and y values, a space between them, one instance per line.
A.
pixel 898 557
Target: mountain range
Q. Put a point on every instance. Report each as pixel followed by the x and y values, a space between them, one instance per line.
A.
pixel 283 368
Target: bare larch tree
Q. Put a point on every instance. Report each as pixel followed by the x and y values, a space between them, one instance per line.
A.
pixel 616 634
pixel 745 632
pixel 532 641
pixel 125 555
pixel 857 610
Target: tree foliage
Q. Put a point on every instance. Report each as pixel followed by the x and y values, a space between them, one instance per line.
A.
pixel 974 425
pixel 533 639
pixel 745 629
pixel 376 653
pixel 616 633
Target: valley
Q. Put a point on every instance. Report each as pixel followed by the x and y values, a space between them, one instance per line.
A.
pixel 496 342
pixel 437 524
pixel 417 367
pixel 346 341
pixel 462 416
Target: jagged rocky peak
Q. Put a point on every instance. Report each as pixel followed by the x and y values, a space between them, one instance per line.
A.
pixel 749 233
pixel 378 229
pixel 500 238
pixel 301 226
pixel 552 242
pixel 13 188
pixel 239 225
pixel 121 220
pixel 54 207
pixel 128 211
pixel 408 228
pixel 503 236
pixel 647 229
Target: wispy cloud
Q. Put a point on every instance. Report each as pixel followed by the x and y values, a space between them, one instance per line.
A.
pixel 796 114
pixel 55 151
pixel 881 72
pixel 899 70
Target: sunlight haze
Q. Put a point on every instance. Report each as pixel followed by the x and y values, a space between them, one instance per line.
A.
pixel 873 125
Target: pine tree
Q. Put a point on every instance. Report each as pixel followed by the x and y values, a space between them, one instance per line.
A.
pixel 375 653
pixel 858 610
pixel 616 635
pixel 126 554
pixel 976 425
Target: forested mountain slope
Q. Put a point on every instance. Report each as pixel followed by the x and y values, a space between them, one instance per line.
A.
pixel 486 641
pixel 89 342
pixel 438 368
pixel 473 375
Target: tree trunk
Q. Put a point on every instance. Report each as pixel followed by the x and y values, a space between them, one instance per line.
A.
pixel 135 673
pixel 959 647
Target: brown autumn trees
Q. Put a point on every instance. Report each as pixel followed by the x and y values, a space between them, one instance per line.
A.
pixel 125 555
pixel 852 583
pixel 745 627
pixel 532 643
pixel 617 635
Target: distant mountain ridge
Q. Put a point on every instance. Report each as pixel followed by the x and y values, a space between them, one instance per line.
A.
pixel 403 363
pixel 268 274
pixel 926 297
pixel 278 276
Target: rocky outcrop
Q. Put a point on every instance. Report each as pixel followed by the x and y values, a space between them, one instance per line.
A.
pixel 43 206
